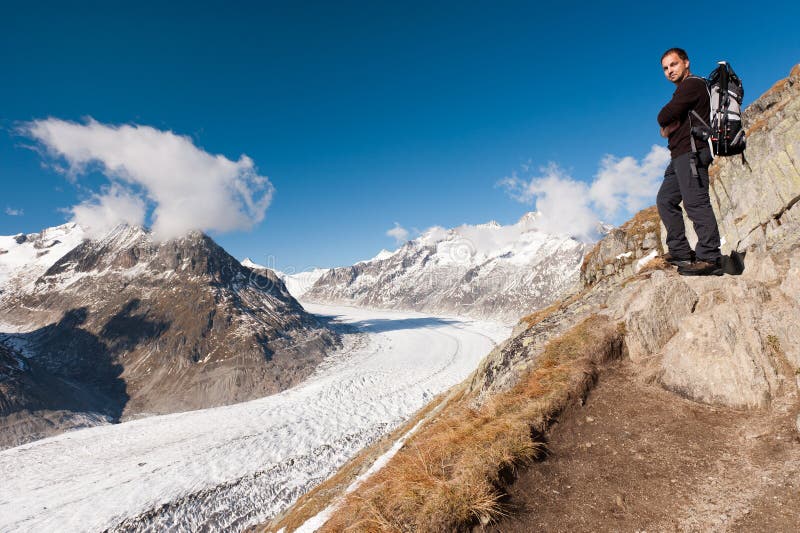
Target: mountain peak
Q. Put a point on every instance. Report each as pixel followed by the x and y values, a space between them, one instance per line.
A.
pixel 140 326
pixel 529 218
pixel 25 257
pixel 492 224
pixel 249 263
pixel 380 256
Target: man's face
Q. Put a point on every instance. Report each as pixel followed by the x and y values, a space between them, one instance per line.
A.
pixel 675 68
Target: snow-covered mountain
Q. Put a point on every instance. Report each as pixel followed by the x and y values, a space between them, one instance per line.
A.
pixel 142 328
pixel 383 254
pixel 296 283
pixel 23 258
pixel 484 270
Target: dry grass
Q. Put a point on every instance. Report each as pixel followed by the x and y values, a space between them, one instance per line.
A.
pixel 538 316
pixel 450 474
pixel 762 123
pixel 775 344
pixel 642 222
pixel 324 494
pixel 656 263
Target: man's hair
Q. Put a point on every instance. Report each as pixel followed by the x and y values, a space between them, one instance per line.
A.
pixel 680 51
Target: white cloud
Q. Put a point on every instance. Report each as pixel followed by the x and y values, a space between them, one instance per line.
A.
pixel 115 205
pixel 621 187
pixel 14 212
pixel 190 189
pixel 626 184
pixel 562 202
pixel 399 233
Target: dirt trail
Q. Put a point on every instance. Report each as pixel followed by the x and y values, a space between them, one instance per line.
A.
pixel 638 458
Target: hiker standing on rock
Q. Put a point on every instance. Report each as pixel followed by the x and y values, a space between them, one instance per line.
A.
pixel 686 177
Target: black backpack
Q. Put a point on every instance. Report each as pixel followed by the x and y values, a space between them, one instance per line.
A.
pixel 725 133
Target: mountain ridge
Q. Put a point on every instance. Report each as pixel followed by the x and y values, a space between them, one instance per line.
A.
pixel 484 270
pixel 150 328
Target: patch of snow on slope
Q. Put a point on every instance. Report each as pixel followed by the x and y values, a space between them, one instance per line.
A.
pixel 646 259
pixel 298 284
pixel 23 258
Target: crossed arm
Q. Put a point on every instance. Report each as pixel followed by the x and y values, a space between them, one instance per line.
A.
pixel 684 100
pixel 669 128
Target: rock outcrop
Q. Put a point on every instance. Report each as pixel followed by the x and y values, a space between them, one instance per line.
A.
pixel 626 249
pixel 729 341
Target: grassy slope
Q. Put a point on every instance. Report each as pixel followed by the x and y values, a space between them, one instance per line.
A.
pixel 450 473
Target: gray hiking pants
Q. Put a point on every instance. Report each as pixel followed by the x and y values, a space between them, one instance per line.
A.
pixel 679 185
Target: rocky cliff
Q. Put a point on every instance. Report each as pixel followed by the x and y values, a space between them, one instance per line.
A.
pixel 755 201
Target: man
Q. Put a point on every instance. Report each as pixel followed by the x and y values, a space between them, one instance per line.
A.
pixel 686 177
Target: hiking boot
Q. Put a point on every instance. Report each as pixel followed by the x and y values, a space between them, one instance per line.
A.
pixel 702 268
pixel 678 261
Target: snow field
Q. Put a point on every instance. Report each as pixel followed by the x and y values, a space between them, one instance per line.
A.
pixel 230 467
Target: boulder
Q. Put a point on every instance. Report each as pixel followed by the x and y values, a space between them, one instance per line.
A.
pixel 719 355
pixel 652 317
pixel 728 340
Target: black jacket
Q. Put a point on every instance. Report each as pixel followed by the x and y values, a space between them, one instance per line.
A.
pixel 691 93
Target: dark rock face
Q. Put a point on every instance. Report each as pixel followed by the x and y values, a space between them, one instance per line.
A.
pixel 144 328
pixel 35 403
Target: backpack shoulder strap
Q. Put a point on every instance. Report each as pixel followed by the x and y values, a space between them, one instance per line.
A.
pixel 696 77
pixel 697 115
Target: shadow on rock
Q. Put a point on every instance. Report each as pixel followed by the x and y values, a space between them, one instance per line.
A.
pixel 84 365
pixel 733 264
pixel 125 329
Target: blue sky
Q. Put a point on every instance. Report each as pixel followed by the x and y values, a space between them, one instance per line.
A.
pixel 362 114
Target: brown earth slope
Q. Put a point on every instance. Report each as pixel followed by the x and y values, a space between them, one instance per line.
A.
pixel 638 458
